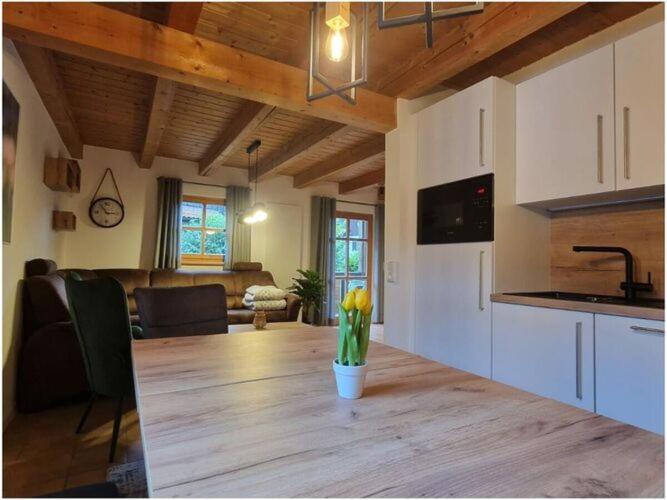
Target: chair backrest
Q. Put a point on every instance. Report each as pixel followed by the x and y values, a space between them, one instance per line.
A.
pixel 182 311
pixel 102 322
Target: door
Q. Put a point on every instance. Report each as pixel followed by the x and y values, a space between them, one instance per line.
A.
pixel 640 98
pixel 548 352
pixel 455 136
pixel 565 130
pixel 453 312
pixel 354 257
pixel 630 368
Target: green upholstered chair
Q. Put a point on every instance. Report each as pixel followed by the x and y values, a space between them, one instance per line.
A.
pixel 102 322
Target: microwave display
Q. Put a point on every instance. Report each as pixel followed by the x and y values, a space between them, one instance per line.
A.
pixel 456 212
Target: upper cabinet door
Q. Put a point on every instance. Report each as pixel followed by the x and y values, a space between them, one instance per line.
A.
pixel 455 136
pixel 565 130
pixel 640 97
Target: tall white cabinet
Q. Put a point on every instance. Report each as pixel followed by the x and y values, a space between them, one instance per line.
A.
pixel 640 102
pixel 565 130
pixel 469 134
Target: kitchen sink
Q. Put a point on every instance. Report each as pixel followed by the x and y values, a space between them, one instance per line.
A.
pixel 603 299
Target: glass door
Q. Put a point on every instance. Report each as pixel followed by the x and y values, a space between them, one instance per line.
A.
pixel 354 243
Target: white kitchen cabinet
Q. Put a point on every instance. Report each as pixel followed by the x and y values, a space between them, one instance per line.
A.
pixel 548 352
pixel 453 311
pixel 455 136
pixel 630 367
pixel 640 98
pixel 565 130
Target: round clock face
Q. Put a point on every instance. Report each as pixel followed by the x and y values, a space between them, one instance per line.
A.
pixel 106 212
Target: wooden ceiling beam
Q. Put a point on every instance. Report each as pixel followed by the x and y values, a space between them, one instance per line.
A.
pixel 358 156
pixel 182 16
pixel 446 59
pixel 577 25
pixel 108 36
pixel 42 68
pixel 298 148
pixel 372 178
pixel 250 116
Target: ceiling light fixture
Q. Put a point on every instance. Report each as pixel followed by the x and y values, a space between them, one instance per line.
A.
pixel 427 17
pixel 341 44
pixel 256 213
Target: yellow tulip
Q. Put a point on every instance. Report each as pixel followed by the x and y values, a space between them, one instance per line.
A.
pixel 363 301
pixel 348 301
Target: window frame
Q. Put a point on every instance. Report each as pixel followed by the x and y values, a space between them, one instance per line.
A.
pixel 192 259
pixel 368 218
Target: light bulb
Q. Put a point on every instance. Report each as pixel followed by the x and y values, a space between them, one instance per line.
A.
pixel 337 46
pixel 260 215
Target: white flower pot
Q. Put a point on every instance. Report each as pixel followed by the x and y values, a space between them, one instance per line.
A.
pixel 350 379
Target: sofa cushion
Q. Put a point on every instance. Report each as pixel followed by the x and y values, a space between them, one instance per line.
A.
pixel 47 301
pixel 40 267
pixel 247 266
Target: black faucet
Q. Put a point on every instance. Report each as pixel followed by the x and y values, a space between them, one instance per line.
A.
pixel 629 284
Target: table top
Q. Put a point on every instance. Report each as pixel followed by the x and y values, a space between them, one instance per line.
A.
pixel 257 414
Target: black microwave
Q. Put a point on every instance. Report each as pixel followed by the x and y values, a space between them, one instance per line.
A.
pixel 456 212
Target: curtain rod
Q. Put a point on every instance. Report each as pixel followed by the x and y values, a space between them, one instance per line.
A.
pixel 204 184
pixel 357 203
pixel 337 200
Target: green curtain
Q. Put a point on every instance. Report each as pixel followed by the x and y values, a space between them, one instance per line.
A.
pixel 378 265
pixel 322 253
pixel 237 199
pixel 168 244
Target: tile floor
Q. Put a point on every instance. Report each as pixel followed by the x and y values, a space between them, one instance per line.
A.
pixel 42 454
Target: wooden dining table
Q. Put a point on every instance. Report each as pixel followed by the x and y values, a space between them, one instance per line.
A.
pixel 256 414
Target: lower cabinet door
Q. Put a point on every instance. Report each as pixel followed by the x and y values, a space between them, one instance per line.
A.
pixel 630 367
pixel 548 352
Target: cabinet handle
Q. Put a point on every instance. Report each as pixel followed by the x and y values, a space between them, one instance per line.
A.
pixel 600 173
pixel 578 363
pixel 481 137
pixel 646 329
pixel 481 280
pixel 626 142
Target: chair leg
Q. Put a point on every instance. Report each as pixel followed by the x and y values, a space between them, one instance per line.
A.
pixel 116 427
pixel 86 412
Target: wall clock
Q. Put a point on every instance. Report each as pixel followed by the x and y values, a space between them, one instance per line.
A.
pixel 107 211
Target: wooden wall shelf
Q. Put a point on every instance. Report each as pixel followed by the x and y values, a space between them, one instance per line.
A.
pixel 64 221
pixel 62 174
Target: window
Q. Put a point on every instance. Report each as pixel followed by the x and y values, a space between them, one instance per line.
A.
pixel 203 233
pixel 353 252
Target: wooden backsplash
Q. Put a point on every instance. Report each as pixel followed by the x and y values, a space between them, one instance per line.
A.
pixel 639 228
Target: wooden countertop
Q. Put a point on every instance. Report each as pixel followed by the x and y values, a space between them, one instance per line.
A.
pixel 257 414
pixel 574 305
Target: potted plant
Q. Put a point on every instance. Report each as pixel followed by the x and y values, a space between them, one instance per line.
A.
pixel 354 330
pixel 310 287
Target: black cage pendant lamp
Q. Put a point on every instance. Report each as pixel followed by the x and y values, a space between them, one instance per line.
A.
pixel 427 17
pixel 340 45
pixel 257 212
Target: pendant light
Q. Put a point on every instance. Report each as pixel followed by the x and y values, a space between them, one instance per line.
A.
pixel 256 213
pixel 427 17
pixel 340 48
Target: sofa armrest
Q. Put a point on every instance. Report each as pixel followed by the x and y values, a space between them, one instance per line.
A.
pixel 293 306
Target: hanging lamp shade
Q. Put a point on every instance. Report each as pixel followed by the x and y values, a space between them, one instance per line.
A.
pixel 257 212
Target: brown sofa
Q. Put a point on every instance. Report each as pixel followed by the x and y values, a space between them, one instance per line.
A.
pixel 51 370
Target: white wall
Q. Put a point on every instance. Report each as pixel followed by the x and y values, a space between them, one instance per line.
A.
pixel 132 243
pixel 32 235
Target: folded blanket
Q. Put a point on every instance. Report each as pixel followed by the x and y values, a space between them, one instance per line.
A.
pixel 258 292
pixel 265 305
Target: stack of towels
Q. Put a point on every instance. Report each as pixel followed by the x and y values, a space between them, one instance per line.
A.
pixel 265 298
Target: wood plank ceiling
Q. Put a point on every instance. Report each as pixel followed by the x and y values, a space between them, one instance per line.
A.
pixel 118 107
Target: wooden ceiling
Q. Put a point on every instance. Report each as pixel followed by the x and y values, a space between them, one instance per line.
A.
pixel 105 86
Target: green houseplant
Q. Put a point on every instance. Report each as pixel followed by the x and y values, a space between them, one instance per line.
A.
pixel 310 287
pixel 354 330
